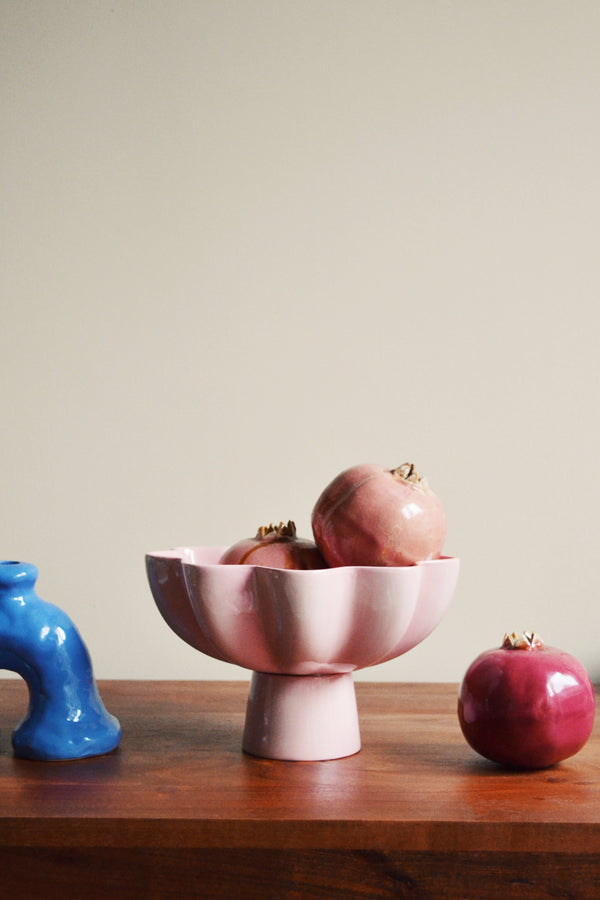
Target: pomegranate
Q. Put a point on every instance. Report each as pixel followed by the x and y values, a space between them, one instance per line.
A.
pixel 276 546
pixel 526 705
pixel 373 516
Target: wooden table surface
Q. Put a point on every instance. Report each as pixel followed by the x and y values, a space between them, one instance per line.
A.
pixel 179 810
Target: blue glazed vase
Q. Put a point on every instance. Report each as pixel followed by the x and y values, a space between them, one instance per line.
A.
pixel 66 718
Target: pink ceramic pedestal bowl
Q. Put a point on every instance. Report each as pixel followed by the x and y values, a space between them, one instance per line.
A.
pixel 302 633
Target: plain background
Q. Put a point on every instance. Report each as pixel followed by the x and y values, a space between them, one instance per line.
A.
pixel 248 243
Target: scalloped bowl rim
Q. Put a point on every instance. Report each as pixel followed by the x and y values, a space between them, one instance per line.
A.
pixel 176 553
pixel 270 620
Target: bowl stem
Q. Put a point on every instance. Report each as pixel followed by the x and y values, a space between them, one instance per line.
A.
pixel 301 717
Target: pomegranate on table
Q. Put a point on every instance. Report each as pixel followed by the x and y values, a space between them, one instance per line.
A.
pixel 373 516
pixel 526 705
pixel 275 546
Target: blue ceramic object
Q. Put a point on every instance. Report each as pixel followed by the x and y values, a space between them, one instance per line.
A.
pixel 66 718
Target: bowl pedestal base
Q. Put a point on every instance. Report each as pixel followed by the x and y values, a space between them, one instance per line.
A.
pixel 301 717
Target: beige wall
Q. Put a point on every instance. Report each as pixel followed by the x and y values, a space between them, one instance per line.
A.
pixel 248 244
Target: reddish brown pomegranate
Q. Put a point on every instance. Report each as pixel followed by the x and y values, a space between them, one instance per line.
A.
pixel 373 516
pixel 276 546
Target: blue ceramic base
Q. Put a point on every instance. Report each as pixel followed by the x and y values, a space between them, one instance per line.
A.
pixel 66 718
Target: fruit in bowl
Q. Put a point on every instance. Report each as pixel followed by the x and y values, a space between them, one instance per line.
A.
pixel 373 516
pixel 276 546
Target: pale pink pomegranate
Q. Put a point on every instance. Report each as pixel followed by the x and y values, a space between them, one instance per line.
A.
pixel 277 547
pixel 373 516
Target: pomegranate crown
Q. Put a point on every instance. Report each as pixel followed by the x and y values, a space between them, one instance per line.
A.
pixel 407 472
pixel 522 640
pixel 281 530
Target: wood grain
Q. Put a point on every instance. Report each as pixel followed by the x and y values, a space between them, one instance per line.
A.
pixel 416 813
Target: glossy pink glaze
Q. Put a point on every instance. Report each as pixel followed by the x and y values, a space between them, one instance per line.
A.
pixel 526 708
pixel 167 583
pixel 295 622
pixel 301 718
pixel 369 516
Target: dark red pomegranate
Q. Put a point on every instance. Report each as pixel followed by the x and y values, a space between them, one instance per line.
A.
pixel 526 705
pixel 373 516
pixel 276 546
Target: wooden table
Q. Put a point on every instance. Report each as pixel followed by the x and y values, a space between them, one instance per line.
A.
pixel 180 811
